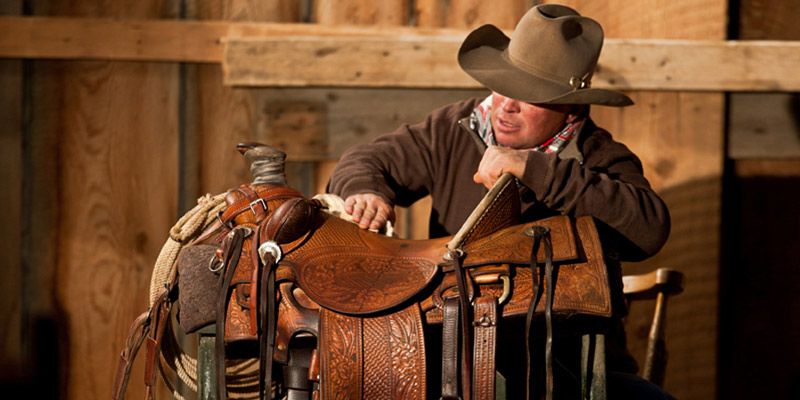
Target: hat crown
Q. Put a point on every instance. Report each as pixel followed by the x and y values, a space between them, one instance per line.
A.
pixel 556 43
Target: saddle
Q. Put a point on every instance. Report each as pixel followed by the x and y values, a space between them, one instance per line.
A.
pixel 275 267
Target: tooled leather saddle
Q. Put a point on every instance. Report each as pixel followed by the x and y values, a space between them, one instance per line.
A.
pixel 276 267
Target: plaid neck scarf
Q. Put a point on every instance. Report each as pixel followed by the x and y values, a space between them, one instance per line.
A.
pixel 481 122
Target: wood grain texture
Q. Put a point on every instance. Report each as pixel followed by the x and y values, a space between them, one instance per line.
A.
pixel 11 175
pixel 118 199
pixel 427 61
pixel 222 116
pixel 299 55
pixel 114 125
pixel 768 19
pixel 362 12
pixel 679 137
pixel 764 125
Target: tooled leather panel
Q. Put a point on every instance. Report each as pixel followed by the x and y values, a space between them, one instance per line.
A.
pixel 356 281
pixel 513 246
pixel 501 213
pixel 341 356
pixel 485 323
pixel 349 270
pixel 240 318
pixel 394 356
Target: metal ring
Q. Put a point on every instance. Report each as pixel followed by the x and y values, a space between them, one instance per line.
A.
pixel 212 261
pixel 448 257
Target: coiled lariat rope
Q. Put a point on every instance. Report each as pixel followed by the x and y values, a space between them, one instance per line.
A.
pixel 174 359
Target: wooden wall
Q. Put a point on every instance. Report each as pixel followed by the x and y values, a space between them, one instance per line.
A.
pixel 760 335
pixel 679 137
pixel 11 352
pixel 105 155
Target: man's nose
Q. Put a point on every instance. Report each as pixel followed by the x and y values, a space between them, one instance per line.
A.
pixel 509 105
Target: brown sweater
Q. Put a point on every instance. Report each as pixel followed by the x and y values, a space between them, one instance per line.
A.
pixel 594 175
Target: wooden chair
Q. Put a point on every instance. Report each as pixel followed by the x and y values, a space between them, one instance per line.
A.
pixel 658 285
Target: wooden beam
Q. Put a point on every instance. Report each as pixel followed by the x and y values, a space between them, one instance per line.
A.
pixel 276 54
pixel 429 61
pixel 108 39
pixel 154 39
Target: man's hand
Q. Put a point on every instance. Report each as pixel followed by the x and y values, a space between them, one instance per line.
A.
pixel 369 210
pixel 498 160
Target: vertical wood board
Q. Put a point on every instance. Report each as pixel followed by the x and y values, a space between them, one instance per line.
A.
pixel 11 355
pixel 679 137
pixel 114 128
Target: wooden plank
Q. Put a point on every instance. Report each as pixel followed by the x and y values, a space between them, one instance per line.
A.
pixel 300 55
pixel 111 129
pixel 362 12
pixel 11 172
pixel 111 39
pixel 679 137
pixel 767 168
pixel 224 116
pixel 429 62
pixel 93 38
pixel 118 199
pixel 763 125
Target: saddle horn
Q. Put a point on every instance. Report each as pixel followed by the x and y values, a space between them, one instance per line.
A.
pixel 266 163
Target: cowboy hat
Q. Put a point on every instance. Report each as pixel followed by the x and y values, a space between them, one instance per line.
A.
pixel 549 58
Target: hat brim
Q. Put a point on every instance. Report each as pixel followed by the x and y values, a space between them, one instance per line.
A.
pixel 483 56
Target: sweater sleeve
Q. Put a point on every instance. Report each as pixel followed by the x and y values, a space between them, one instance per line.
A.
pixel 400 166
pixel 634 221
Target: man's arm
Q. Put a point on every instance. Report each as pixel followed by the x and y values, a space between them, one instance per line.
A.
pixel 609 186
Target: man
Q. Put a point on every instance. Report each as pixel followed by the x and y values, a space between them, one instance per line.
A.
pixel 534 125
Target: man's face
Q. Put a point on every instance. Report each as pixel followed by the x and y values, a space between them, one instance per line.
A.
pixel 522 125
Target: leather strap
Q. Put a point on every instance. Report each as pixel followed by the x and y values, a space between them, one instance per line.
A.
pixel 485 325
pixel 548 313
pixel 541 235
pixel 136 335
pixel 158 322
pixel 242 205
pixel 457 258
pixel 450 349
pixel 233 251
pixel 267 310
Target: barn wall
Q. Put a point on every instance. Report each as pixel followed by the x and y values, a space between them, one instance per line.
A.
pixel 113 151
pixel 760 340
pixel 11 352
pixel 679 137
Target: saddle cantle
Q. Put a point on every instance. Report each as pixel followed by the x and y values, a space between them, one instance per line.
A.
pixel 275 267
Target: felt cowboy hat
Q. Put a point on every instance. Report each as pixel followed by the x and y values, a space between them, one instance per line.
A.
pixel 549 58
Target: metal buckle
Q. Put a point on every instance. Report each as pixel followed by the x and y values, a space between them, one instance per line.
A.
pixel 263 205
pixel 488 279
